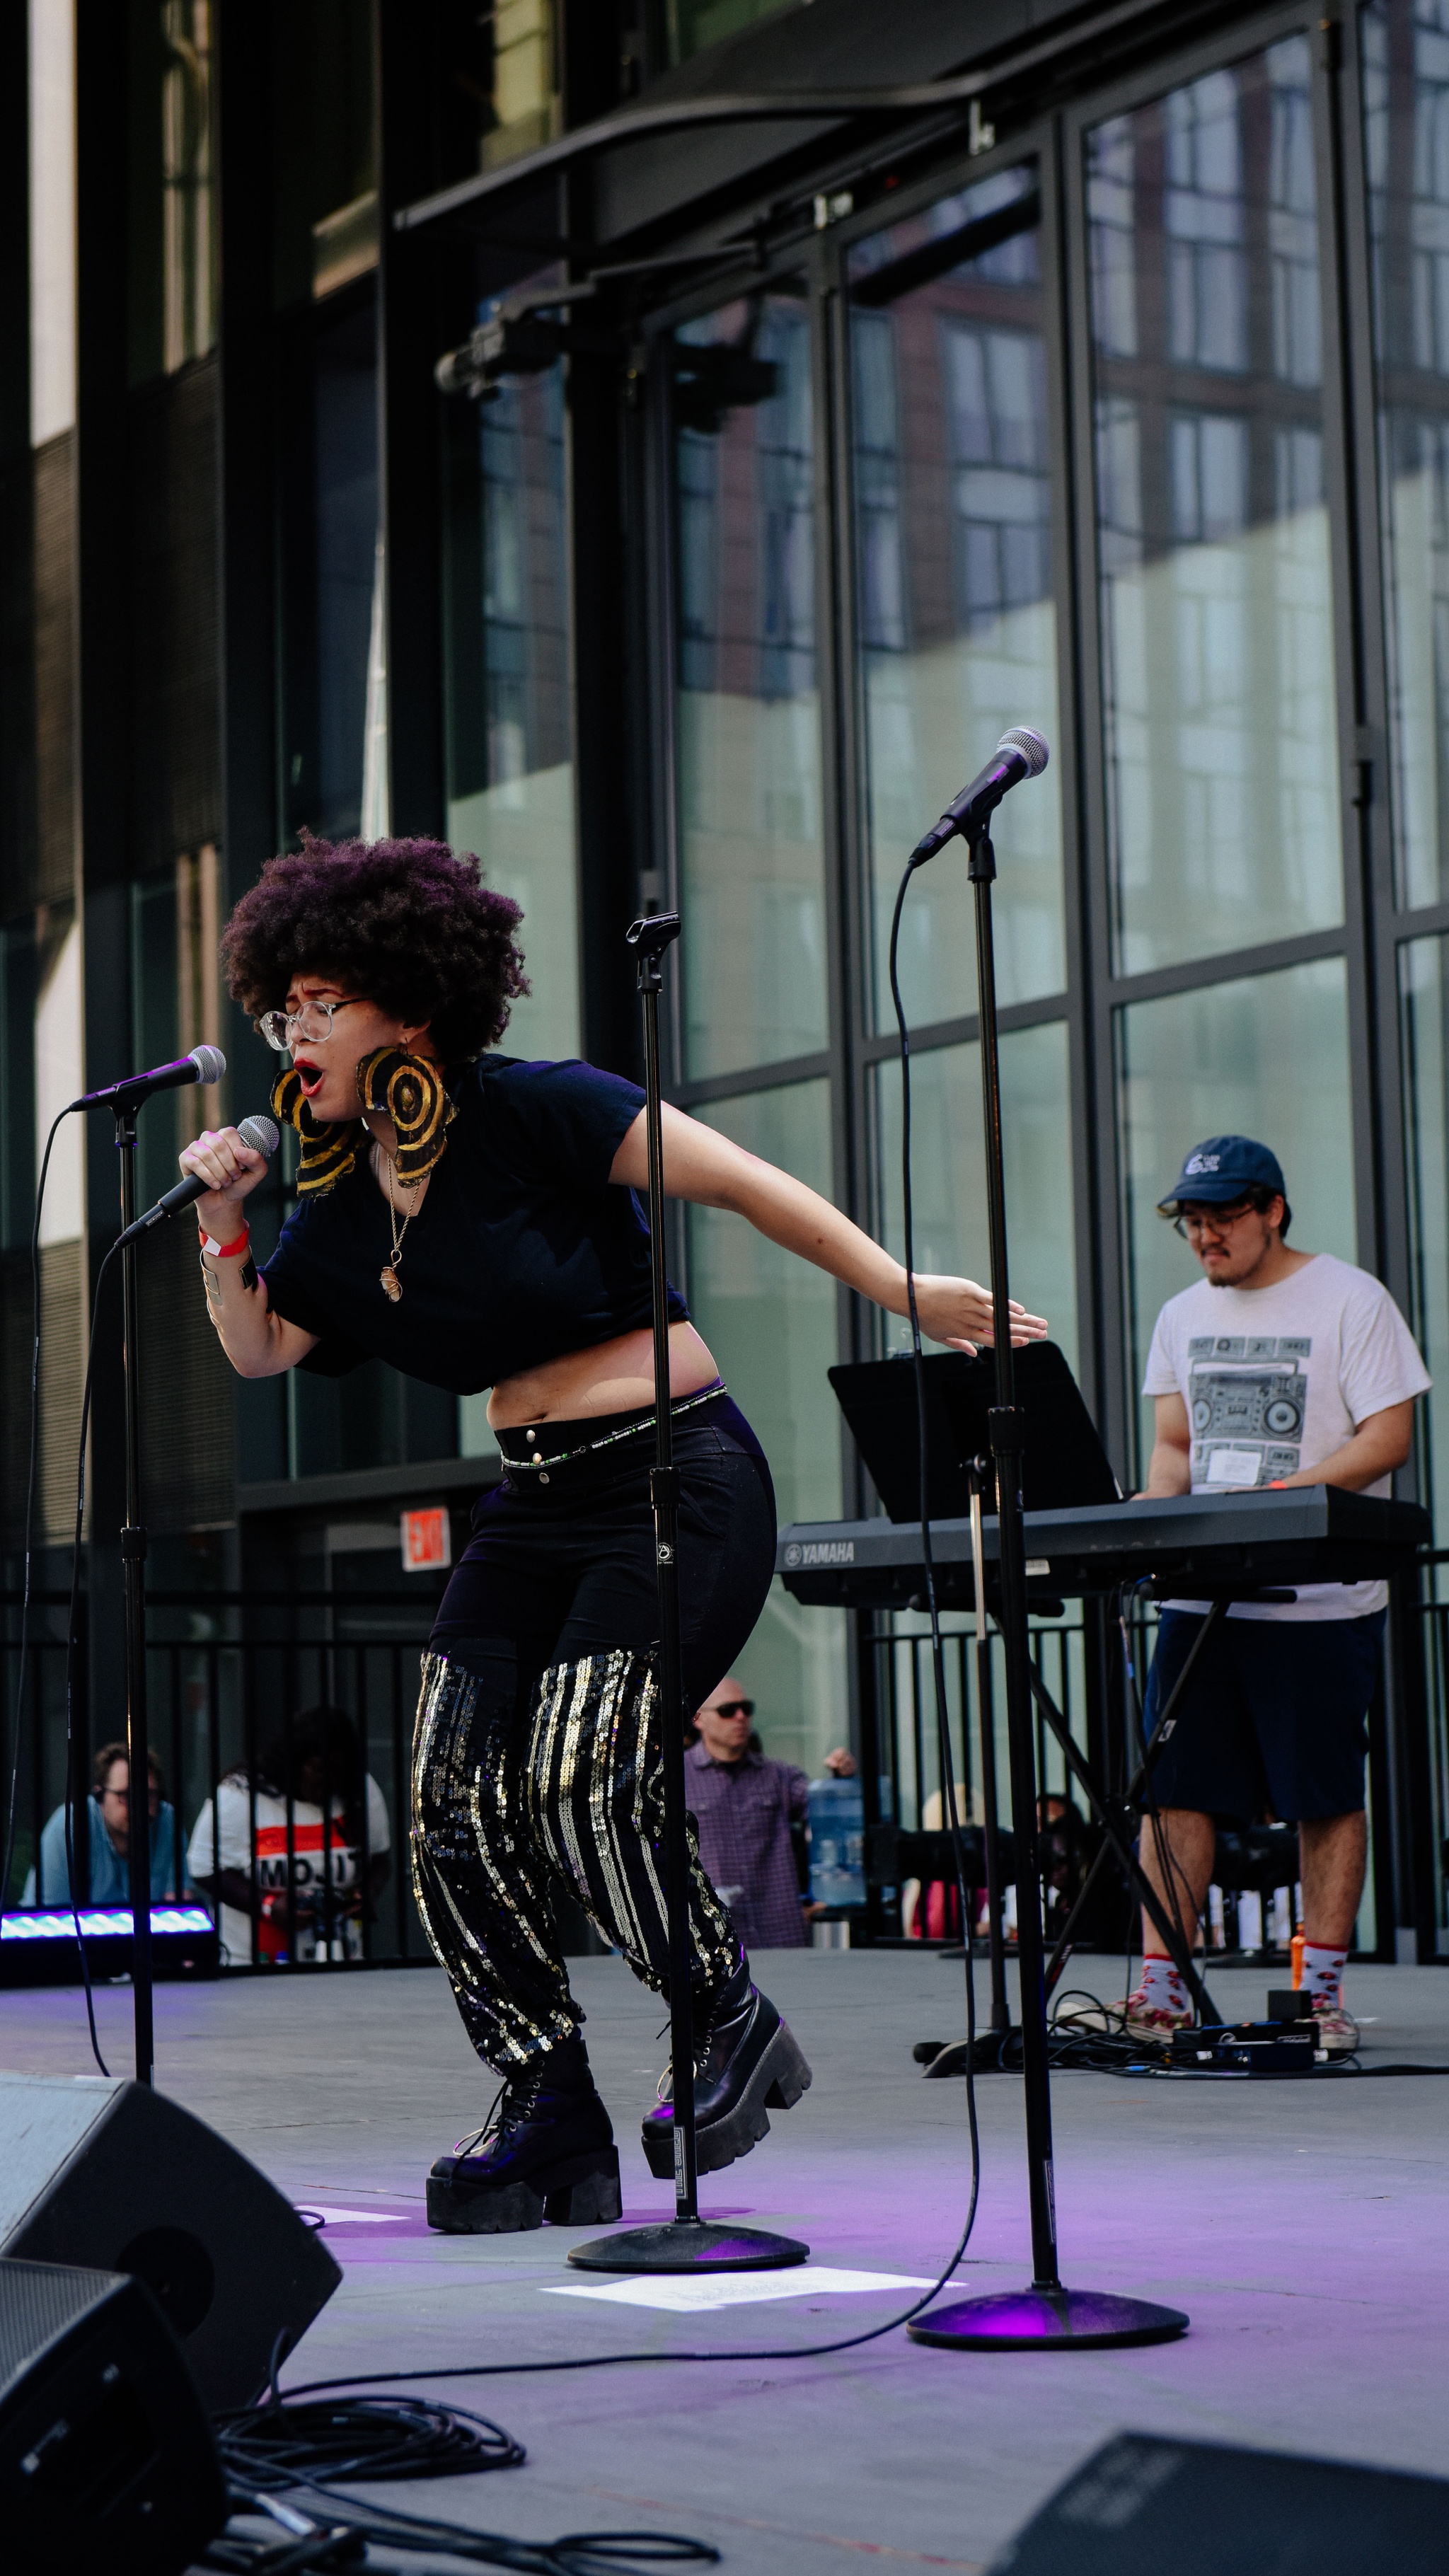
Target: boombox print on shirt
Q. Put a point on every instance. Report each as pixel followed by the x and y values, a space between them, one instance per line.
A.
pixel 1246 1403
pixel 1276 1379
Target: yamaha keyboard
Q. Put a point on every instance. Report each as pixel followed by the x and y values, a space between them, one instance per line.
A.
pixel 1197 1546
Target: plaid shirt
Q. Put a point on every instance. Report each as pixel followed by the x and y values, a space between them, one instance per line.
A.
pixel 744 1811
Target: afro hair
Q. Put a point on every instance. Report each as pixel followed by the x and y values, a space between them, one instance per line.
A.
pixel 406 924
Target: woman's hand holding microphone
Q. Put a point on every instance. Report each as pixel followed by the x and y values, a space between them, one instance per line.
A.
pixel 232 1171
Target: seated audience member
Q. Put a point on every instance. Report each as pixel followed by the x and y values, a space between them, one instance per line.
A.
pixel 109 1808
pixel 747 1810
pixel 330 1889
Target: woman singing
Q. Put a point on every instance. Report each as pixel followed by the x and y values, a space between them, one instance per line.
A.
pixel 472 1219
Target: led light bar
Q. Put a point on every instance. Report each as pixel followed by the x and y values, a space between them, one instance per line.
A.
pixel 101 1923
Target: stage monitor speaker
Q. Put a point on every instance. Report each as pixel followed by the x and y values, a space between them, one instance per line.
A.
pixel 1145 2507
pixel 113 2177
pixel 106 2458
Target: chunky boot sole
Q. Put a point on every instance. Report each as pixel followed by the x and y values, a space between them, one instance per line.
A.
pixel 579 2191
pixel 776 2084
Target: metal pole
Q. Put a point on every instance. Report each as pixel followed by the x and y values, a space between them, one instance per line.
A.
pixel 686 2243
pixel 990 1812
pixel 1006 1447
pixel 664 1494
pixel 133 1567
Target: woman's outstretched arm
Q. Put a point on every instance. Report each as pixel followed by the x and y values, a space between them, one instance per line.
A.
pixel 703 1166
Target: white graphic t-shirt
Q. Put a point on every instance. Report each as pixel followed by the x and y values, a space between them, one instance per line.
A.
pixel 1274 1380
pixel 311 1868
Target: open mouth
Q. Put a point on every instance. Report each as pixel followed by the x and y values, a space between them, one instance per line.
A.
pixel 310 1078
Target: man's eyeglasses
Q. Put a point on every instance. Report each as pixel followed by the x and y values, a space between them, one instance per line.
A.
pixel 1210 1220
pixel 733 1708
pixel 312 1024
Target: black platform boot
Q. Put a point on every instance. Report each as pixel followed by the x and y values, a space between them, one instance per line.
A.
pixel 546 2152
pixel 747 2063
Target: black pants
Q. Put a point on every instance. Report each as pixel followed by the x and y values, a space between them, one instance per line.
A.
pixel 538 1756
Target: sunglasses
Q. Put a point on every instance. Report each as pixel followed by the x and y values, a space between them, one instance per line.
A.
pixel 734 1708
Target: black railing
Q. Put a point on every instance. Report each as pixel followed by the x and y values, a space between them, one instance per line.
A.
pixel 225 1688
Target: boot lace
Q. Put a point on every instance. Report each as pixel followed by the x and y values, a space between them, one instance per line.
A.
pixel 512 2104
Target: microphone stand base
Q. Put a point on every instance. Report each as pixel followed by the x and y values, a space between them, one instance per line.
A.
pixel 688 2245
pixel 1037 2320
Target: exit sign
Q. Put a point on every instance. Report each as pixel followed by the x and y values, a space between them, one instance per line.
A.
pixel 426 1539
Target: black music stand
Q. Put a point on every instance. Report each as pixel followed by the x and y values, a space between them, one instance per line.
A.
pixel 1047 2313
pixel 685 2243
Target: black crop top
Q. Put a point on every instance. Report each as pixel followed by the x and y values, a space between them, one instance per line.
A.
pixel 521 1251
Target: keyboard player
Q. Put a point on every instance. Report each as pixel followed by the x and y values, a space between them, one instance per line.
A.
pixel 1276 1367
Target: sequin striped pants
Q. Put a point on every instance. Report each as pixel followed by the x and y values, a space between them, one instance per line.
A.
pixel 537 1759
pixel 579 1800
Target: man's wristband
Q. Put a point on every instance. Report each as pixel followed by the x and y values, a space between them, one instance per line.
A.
pixel 226 1251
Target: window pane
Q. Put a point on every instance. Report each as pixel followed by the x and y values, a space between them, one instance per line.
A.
pixel 331 573
pixel 690 25
pixel 956 615
pixel 748 696
pixel 510 728
pixel 1406 101
pixel 948 1171
pixel 1216 602
pixel 1266 1056
pixel 770 1321
pixel 1424 1025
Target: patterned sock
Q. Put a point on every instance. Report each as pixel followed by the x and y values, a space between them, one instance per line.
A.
pixel 1162 1986
pixel 1323 1973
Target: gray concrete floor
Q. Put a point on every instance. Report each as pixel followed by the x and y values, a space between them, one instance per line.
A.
pixel 1305 2227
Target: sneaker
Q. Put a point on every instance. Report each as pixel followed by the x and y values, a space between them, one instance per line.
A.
pixel 1337 2029
pixel 1142 2019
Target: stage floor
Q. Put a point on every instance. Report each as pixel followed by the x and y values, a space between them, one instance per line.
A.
pixel 1304 2226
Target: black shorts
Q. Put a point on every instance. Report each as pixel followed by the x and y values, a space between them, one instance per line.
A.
pixel 1274 1717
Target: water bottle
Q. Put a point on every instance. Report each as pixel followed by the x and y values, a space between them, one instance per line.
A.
pixel 837 1842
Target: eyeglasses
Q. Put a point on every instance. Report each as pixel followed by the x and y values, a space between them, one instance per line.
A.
pixel 732 1708
pixel 1210 1221
pixel 312 1024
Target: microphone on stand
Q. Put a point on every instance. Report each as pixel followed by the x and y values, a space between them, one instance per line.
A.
pixel 1021 753
pixel 204 1064
pixel 258 1132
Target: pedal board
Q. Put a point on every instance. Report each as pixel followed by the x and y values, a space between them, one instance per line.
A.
pixel 1249 2048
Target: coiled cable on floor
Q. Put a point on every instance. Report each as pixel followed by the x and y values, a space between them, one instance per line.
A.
pixel 353 2439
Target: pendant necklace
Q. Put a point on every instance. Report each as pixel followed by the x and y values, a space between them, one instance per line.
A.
pixel 390 1282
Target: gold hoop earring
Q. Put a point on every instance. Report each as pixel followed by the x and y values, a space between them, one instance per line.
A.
pixel 410 1090
pixel 329 1147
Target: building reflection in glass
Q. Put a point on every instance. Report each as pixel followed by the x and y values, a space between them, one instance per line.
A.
pixel 748 706
pixel 956 618
pixel 1216 600
pixel 1406 106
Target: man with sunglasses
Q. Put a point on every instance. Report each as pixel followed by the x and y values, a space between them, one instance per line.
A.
pixel 747 1811
pixel 1277 1367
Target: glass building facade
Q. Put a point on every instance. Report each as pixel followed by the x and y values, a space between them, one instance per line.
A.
pixel 827 454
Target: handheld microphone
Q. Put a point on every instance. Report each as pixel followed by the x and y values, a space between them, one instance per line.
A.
pixel 1021 753
pixel 257 1132
pixel 204 1064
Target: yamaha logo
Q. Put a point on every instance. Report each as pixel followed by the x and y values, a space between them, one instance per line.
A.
pixel 829 1551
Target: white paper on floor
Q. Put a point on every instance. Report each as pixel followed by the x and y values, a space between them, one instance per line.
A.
pixel 729 2289
pixel 350 2217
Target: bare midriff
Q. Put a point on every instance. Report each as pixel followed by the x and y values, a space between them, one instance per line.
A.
pixel 613 1377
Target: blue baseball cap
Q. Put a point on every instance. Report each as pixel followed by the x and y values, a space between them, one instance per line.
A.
pixel 1221 1169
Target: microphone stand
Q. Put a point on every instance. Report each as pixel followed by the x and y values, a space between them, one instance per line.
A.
pixel 1046 2313
pixel 133 1569
pixel 686 2243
